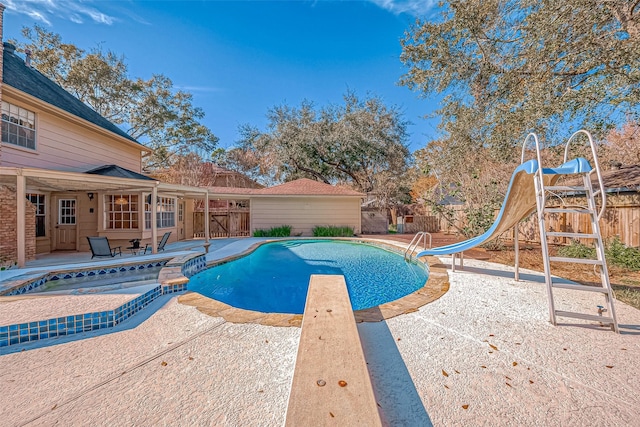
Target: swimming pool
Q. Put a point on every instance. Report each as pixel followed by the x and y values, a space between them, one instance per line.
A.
pixel 275 277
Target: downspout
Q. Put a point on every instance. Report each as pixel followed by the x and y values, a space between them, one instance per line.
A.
pixel 1 61
pixel 21 201
pixel 206 217
pixel 154 219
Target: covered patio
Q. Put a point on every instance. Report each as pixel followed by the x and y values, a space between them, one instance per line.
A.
pixel 77 214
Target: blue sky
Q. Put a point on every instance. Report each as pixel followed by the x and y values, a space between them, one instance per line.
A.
pixel 240 58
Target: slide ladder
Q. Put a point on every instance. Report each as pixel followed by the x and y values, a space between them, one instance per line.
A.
pixel 605 314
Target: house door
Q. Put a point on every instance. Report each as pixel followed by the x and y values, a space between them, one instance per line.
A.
pixel 66 225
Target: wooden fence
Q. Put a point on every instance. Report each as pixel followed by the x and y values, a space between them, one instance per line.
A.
pixel 622 219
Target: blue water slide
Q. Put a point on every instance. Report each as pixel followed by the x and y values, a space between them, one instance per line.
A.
pixel 519 202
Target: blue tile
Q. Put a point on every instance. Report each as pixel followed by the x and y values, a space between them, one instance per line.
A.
pixel 4 343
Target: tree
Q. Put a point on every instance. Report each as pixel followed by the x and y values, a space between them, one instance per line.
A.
pixel 151 110
pixel 507 67
pixel 361 143
pixel 622 146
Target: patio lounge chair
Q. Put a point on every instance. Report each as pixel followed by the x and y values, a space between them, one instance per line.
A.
pixel 100 247
pixel 163 242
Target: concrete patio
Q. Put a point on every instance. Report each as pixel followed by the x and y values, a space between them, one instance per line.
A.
pixel 483 354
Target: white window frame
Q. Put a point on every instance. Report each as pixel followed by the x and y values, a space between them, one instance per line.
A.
pixel 165 215
pixel 39 200
pixel 18 126
pixel 121 216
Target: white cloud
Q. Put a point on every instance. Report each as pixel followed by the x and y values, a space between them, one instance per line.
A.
pixel 412 7
pixel 44 11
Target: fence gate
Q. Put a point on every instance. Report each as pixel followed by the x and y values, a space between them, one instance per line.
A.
pixel 231 221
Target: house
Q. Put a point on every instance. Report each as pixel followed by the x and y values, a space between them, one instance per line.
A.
pixel 67 173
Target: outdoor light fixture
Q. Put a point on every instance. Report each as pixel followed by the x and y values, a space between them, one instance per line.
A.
pixel 121 201
pixel 90 196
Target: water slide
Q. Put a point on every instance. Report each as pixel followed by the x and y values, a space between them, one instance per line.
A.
pixel 519 202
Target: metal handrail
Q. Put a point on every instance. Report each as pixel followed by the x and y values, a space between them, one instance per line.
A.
pixel 416 241
pixel 596 168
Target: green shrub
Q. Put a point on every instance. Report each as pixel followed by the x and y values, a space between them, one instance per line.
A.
pixel 282 231
pixel 331 231
pixel 577 250
pixel 615 251
pixel 622 256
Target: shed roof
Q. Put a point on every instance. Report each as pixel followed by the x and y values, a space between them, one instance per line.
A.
pixel 18 75
pixel 306 187
pixel 626 178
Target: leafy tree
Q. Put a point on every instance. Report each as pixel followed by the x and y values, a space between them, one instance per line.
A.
pixel 622 146
pixel 361 142
pixel 151 110
pixel 510 66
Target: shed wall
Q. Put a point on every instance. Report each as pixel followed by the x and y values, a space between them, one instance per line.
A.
pixel 304 213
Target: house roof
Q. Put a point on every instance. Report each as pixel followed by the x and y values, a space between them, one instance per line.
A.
pixel 117 172
pixel 306 187
pixel 626 178
pixel 17 74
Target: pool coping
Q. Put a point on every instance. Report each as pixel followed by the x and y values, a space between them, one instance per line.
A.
pixel 436 286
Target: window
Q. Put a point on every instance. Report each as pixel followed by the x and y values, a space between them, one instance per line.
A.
pixel 67 211
pixel 122 211
pixel 37 200
pixel 166 215
pixel 180 212
pixel 18 126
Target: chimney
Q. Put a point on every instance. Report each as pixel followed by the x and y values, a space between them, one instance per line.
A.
pixel 27 57
pixel 1 64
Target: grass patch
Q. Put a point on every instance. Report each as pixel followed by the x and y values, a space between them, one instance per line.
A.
pixel 331 231
pixel 282 231
pixel 577 250
pixel 628 294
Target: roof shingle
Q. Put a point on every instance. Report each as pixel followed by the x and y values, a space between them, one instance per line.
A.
pixel 16 74
pixel 306 187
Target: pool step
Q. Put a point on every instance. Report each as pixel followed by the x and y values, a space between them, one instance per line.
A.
pixel 331 384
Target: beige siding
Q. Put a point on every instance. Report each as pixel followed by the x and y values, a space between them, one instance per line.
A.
pixel 67 146
pixel 304 213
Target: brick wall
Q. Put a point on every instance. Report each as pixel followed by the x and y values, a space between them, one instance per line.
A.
pixel 8 233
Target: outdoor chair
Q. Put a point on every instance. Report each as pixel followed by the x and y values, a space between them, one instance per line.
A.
pixel 100 247
pixel 163 242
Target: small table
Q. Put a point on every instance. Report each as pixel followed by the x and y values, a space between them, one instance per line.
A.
pixel 135 247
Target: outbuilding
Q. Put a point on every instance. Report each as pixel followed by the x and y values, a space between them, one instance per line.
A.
pixel 304 204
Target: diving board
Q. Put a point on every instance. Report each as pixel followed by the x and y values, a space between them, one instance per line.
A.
pixel 331 384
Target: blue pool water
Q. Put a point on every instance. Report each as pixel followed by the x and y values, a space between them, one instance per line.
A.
pixel 275 277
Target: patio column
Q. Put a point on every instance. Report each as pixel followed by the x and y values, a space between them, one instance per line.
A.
pixel 21 235
pixel 154 220
pixel 206 217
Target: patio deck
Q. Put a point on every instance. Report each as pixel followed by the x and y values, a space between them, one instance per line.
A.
pixel 483 354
